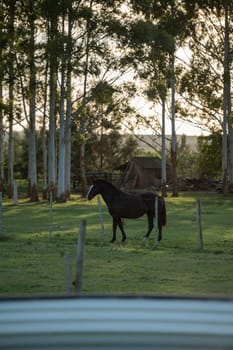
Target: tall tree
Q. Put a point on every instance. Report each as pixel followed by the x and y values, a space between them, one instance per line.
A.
pixel 84 100
pixel 1 135
pixel 163 94
pixel 174 20
pixel 173 117
pixel 2 47
pixel 99 23
pixel 26 88
pixel 11 82
pixel 68 122
pixel 52 15
pixel 33 190
pixel 44 136
pixel 170 18
pixel 227 106
pixel 208 81
pixel 61 151
pixel 156 72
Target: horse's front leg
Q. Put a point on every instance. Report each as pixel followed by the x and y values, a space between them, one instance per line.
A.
pixel 120 224
pixel 114 228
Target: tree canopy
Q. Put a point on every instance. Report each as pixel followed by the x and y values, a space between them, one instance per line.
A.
pixel 71 69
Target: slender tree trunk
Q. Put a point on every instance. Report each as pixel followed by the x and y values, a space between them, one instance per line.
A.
pixel 224 160
pixel 68 107
pixel 52 135
pixel 52 111
pixel 1 141
pixel 32 111
pixel 34 197
pixel 1 108
pixel 11 100
pixel 44 141
pixel 44 161
pixel 68 134
pixel 10 146
pixel 173 142
pixel 83 170
pixel 164 168
pixel 68 149
pixel 82 127
pixel 61 155
pixel 101 152
pixel 1 115
pixel 227 164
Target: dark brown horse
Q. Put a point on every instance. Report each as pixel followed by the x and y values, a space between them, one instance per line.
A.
pixel 129 205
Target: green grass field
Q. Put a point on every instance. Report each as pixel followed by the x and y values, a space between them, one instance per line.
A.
pixel 33 264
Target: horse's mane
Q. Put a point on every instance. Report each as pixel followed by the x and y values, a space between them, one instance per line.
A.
pixel 109 184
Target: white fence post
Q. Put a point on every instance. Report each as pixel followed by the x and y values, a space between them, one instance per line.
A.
pixel 80 255
pixel 199 226
pixel 101 220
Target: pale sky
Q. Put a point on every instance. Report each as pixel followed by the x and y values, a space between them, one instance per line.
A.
pixel 182 127
pixel 185 128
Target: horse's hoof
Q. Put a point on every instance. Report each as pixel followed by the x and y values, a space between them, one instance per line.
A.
pixel 145 239
pixel 123 239
pixel 112 241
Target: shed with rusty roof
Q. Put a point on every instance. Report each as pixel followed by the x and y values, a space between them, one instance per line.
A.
pixel 141 173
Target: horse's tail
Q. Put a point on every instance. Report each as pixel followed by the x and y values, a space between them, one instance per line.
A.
pixel 149 199
pixel 163 212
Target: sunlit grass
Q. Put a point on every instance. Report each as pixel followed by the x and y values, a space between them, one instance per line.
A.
pixel 33 262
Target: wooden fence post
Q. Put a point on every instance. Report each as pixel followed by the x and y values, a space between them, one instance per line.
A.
pixel 80 254
pixel 199 226
pixel 101 220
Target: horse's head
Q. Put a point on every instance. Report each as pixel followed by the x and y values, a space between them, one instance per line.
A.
pixel 93 190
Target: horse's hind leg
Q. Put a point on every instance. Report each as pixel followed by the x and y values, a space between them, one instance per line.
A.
pixel 160 232
pixel 114 228
pixel 120 224
pixel 150 224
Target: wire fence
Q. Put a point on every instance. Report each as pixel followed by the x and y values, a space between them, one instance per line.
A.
pixel 43 217
pixel 60 225
pixel 52 219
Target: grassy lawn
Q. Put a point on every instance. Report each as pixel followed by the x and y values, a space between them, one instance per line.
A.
pixel 33 264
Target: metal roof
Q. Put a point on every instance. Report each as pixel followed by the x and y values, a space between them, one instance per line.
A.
pixel 116 323
pixel 144 162
pixel 148 162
